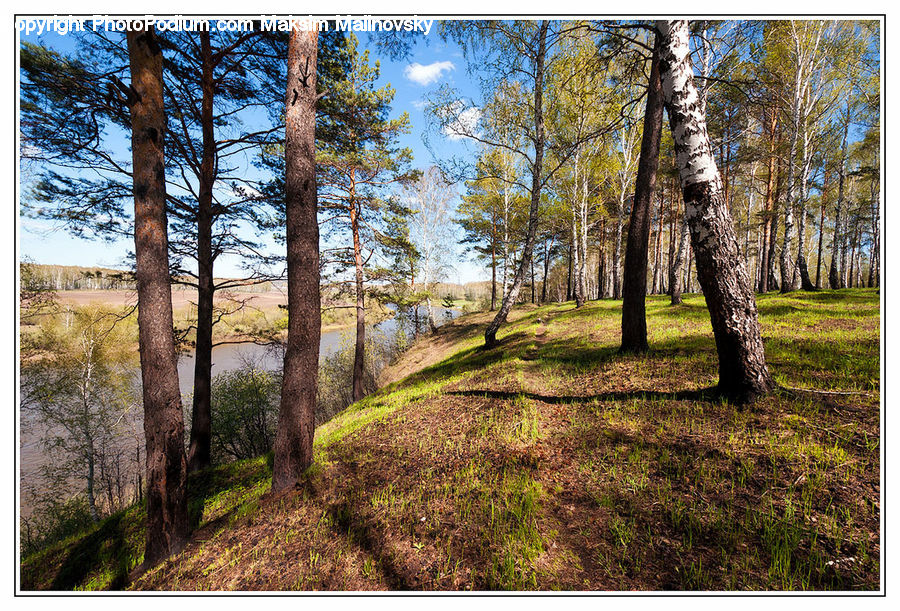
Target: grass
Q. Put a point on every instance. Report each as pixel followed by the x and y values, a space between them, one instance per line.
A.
pixel 553 462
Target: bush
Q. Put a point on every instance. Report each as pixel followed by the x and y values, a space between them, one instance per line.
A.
pixel 244 413
pixel 54 520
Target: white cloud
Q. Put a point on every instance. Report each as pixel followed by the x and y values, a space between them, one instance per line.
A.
pixel 426 75
pixel 463 122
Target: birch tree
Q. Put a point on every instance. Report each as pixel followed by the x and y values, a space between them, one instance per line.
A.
pixel 743 375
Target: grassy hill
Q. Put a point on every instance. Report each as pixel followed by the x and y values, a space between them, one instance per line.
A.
pixel 553 462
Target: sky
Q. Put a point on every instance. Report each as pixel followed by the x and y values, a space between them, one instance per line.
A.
pixel 430 64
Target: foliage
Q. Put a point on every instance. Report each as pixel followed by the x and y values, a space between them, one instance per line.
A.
pixel 244 413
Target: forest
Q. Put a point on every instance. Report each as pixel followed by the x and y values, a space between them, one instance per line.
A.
pixel 581 305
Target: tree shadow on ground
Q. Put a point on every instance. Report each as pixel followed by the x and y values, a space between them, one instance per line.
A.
pixel 81 560
pixel 702 394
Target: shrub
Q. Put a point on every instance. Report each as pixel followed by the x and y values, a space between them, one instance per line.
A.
pixel 244 413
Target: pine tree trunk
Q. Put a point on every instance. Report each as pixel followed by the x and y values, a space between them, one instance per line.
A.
pixel 490 334
pixel 359 354
pixel 167 517
pixel 201 418
pixel 634 288
pixel 296 416
pixel 743 375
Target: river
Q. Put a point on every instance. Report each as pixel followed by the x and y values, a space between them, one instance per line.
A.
pixel 226 357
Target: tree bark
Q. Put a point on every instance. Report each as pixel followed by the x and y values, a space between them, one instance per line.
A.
pixel 634 287
pixel 296 415
pixel 359 354
pixel 801 265
pixel 743 375
pixel 677 269
pixel 769 214
pixel 875 256
pixel 167 517
pixel 835 271
pixel 490 334
pixel 657 250
pixel 201 417
pixel 786 261
pixel 493 275
pixel 822 230
pixel 617 252
pixel 601 261
pixel 547 246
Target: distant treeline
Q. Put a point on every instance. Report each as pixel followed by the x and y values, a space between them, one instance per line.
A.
pixel 78 278
pixel 75 277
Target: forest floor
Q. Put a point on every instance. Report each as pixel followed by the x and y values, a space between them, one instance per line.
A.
pixel 553 462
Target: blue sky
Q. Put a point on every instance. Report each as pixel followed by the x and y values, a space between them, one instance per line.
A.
pixel 431 63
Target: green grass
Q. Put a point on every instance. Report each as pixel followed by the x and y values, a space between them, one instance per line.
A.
pixel 553 462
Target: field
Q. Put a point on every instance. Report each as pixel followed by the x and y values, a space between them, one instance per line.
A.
pixel 553 462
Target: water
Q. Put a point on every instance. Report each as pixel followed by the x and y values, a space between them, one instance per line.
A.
pixel 226 357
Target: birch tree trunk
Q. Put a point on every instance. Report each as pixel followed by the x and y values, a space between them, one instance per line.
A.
pixel 743 375
pixel 802 268
pixel 769 218
pixel 787 269
pixel 678 267
pixel 296 416
pixel 835 270
pixel 490 334
pixel 634 289
pixel 167 516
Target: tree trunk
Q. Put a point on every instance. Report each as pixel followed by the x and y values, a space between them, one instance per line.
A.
pixel 835 270
pixel 493 275
pixel 875 257
pixel 743 375
pixel 167 517
pixel 532 280
pixel 769 214
pixel 677 284
pixel 657 256
pixel 201 418
pixel 601 262
pixel 805 282
pixel 359 355
pixel 569 274
pixel 821 230
pixel 634 288
pixel 617 252
pixel 786 261
pixel 672 221
pixel 490 334
pixel 547 245
pixel 296 416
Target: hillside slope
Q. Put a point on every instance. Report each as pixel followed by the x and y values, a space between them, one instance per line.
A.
pixel 553 462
